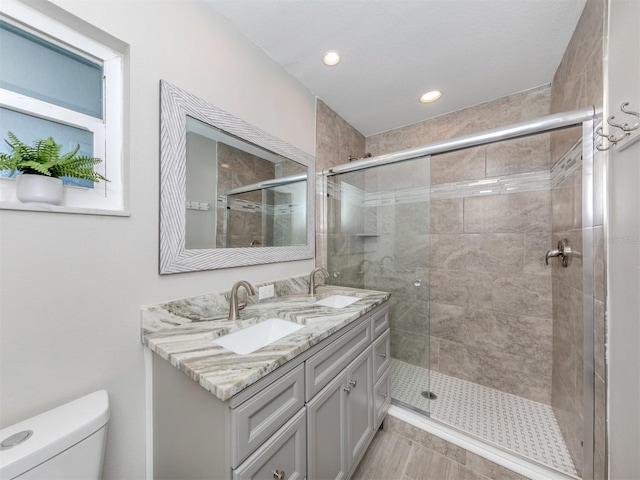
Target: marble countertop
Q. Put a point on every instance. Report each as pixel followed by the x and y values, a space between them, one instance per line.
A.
pixel 182 332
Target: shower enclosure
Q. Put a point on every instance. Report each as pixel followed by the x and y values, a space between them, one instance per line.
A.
pixel 271 213
pixel 490 333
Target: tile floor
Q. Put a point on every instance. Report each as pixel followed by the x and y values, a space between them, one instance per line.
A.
pixel 526 427
pixel 393 457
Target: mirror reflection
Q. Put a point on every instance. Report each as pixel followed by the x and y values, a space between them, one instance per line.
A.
pixel 240 195
pixel 231 194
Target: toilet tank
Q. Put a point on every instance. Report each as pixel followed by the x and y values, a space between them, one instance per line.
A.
pixel 66 442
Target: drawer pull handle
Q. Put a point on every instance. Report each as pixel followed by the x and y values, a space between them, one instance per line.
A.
pixel 278 474
pixel 347 389
pixel 383 395
pixel 353 383
pixel 383 355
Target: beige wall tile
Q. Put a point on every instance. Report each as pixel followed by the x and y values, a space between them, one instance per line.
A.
pixel 516 212
pixel 410 347
pixel 446 215
pixel 527 294
pixel 526 337
pixel 456 166
pixel 464 289
pixel 448 322
pixel 529 154
pixel 562 199
pixel 536 245
pixel 486 252
pixel 411 316
pixel 571 275
pixel 527 378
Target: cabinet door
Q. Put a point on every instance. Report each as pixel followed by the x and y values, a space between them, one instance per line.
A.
pixel 381 354
pixel 330 361
pixel 359 406
pixel 254 421
pixel 382 397
pixel 380 321
pixel 327 432
pixel 283 456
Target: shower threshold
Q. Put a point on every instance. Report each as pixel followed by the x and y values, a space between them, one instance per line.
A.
pixel 523 426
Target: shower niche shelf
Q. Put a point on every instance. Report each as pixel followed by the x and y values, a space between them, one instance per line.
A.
pixel 367 235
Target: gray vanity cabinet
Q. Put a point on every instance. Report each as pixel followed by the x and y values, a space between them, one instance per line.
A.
pixel 312 418
pixel 340 421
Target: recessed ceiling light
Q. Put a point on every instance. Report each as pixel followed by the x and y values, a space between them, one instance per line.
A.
pixel 331 58
pixel 431 96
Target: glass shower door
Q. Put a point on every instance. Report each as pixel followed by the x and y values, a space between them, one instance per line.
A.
pixel 378 239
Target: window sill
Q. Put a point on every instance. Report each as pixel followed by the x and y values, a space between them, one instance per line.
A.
pixel 42 207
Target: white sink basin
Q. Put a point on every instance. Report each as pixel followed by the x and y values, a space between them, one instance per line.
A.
pixel 252 338
pixel 337 301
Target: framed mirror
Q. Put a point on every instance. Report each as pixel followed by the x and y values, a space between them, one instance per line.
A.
pixel 230 194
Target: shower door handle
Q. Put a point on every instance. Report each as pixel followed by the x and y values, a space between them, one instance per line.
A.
pixel 563 251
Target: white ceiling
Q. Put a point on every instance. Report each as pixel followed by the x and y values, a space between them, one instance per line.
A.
pixel 395 50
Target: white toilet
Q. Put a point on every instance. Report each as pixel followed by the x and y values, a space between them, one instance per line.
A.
pixel 64 443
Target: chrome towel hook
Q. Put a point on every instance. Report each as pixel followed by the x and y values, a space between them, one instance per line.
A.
pixel 636 126
pixel 625 129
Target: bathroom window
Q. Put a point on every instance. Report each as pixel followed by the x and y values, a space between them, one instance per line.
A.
pixel 56 82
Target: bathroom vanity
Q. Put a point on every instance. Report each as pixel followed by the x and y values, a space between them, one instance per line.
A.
pixel 305 406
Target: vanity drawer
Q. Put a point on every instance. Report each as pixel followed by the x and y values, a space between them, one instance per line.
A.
pixel 283 454
pixel 326 364
pixel 381 354
pixel 381 397
pixel 255 420
pixel 380 321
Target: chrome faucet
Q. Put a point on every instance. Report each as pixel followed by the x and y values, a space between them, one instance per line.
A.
pixel 312 278
pixel 563 251
pixel 234 307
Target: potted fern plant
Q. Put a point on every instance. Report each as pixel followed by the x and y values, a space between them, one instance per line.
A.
pixel 41 167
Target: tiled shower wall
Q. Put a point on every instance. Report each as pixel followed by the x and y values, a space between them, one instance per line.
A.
pixel 490 292
pixel 578 83
pixel 336 141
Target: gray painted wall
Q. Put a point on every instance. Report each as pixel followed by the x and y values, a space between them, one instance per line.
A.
pixel 624 247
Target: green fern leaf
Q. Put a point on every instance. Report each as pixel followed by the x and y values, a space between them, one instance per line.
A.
pixel 41 168
pixel 43 158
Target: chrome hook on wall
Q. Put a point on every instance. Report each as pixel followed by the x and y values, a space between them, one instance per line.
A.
pixel 625 128
pixel 636 126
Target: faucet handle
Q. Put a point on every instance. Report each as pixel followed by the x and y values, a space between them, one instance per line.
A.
pixel 551 254
pixel 563 251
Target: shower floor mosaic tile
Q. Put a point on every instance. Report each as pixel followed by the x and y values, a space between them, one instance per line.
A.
pixel 523 426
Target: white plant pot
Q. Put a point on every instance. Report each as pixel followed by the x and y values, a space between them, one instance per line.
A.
pixel 39 188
